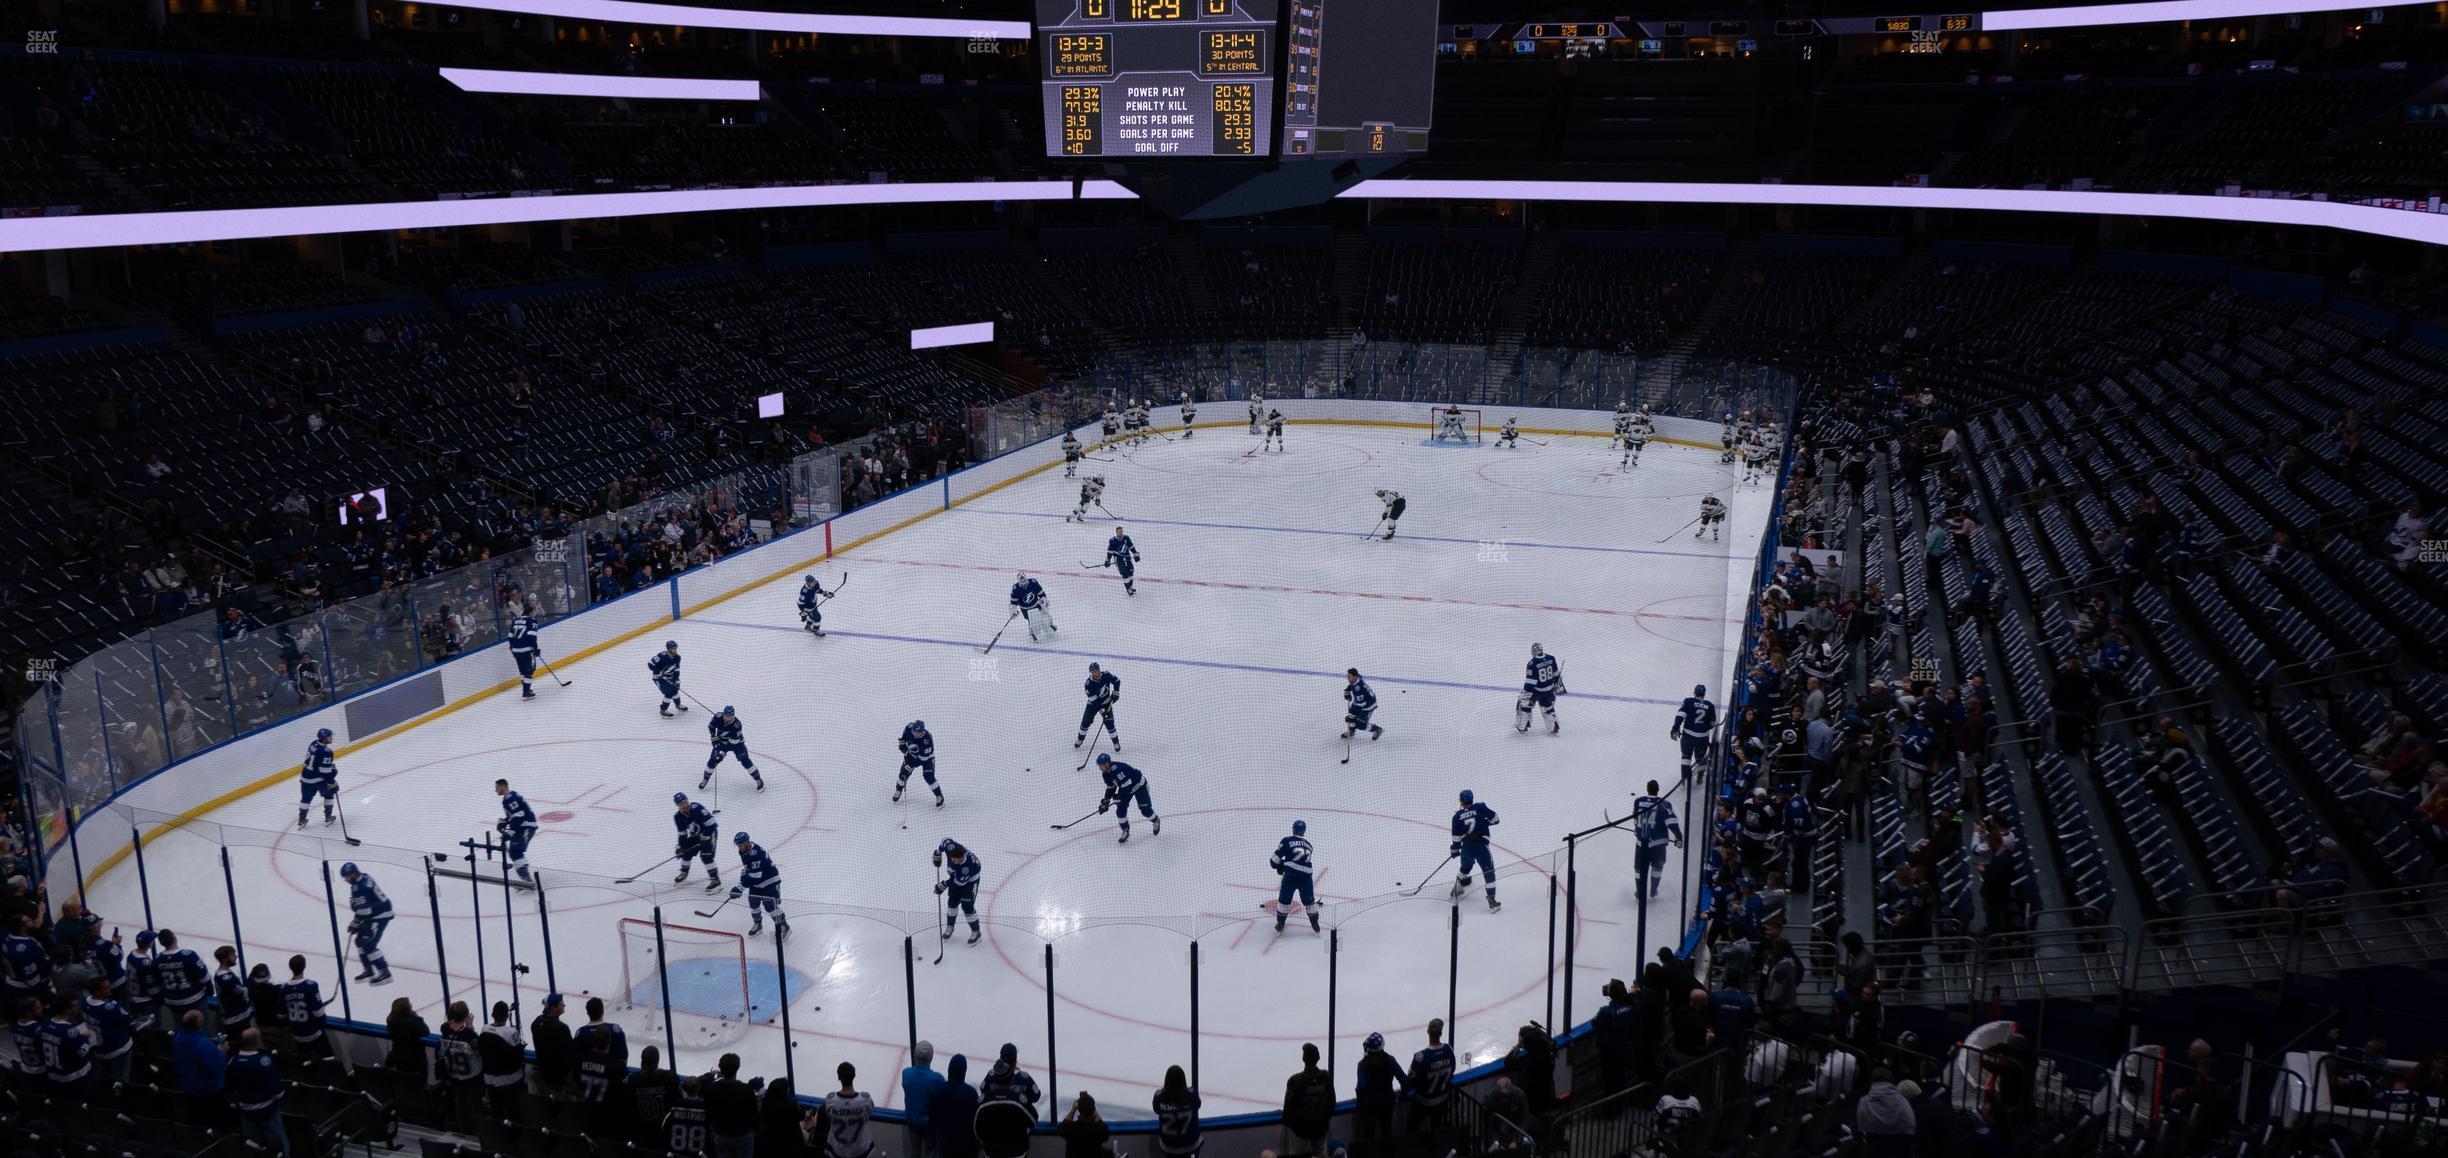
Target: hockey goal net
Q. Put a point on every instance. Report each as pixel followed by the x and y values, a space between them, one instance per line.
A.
pixel 707 974
pixel 1473 429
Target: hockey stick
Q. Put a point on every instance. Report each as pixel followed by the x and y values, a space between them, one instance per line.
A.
pixel 1347 743
pixel 642 872
pixel 837 587
pixel 1679 530
pixel 1108 514
pixel 700 703
pixel 548 667
pixel 1440 867
pixel 1092 751
pixel 1094 566
pixel 1092 813
pixel 341 810
pixel 1372 531
pixel 726 903
pixel 1093 458
pixel 998 635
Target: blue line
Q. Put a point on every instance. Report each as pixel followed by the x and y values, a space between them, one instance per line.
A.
pixel 1719 555
pixel 1205 663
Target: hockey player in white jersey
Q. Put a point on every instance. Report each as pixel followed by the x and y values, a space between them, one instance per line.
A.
pixel 1395 504
pixel 1274 432
pixel 1071 454
pixel 1623 422
pixel 917 755
pixel 1113 422
pixel 1294 864
pixel 1189 413
pixel 1030 601
pixel 1655 827
pixel 1756 460
pixel 1450 424
pixel 1257 410
pixel 1092 493
pixel 1712 516
pixel 1541 684
pixel 1509 438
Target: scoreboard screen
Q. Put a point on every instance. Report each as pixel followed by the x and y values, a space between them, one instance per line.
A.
pixel 1158 78
pixel 1359 77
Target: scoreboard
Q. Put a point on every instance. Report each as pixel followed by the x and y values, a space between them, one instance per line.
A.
pixel 1359 77
pixel 1158 78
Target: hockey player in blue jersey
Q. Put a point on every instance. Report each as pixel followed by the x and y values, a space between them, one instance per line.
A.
pixel 1692 724
pixel 1541 684
pixel 959 886
pixel 917 755
pixel 517 828
pixel 1104 691
pixel 1363 704
pixel 729 740
pixel 525 648
pixel 318 775
pixel 1294 862
pixel 1654 826
pixel 369 916
pixel 763 884
pixel 695 831
pixel 1471 823
pixel 1030 602
pixel 811 605
pixel 1123 556
pixel 664 669
pixel 1125 785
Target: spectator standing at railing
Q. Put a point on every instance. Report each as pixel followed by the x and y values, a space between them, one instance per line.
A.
pixel 1615 1026
pixel 1377 1082
pixel 954 1112
pixel 1308 1106
pixel 919 1082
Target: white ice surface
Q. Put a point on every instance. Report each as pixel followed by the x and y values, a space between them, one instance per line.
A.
pixel 1256 592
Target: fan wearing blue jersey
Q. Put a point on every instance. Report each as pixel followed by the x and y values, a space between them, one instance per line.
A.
pixel 1541 684
pixel 525 648
pixel 1294 863
pixel 369 916
pixel 1362 704
pixel 1104 691
pixel 959 886
pixel 1125 785
pixel 1471 823
pixel 318 775
pixel 729 740
pixel 1692 725
pixel 664 670
pixel 694 840
pixel 763 884
pixel 1654 826
pixel 917 755
pixel 517 828
pixel 811 606
pixel 1123 556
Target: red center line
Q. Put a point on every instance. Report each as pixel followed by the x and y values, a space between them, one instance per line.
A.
pixel 1281 590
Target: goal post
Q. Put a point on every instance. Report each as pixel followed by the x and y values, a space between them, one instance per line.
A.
pixel 1474 426
pixel 706 971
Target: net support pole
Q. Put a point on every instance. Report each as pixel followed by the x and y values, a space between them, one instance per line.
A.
pixel 671 1044
pixel 1453 969
pixel 1194 1013
pixel 1572 913
pixel 1053 1070
pixel 433 908
pixel 782 999
pixel 1554 889
pixel 552 981
pixel 909 990
pixel 331 912
pixel 144 884
pixel 1334 958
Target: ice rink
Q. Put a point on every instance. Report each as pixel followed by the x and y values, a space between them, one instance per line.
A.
pixel 1256 592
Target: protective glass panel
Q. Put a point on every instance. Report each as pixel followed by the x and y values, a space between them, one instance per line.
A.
pixel 368 642
pixel 188 657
